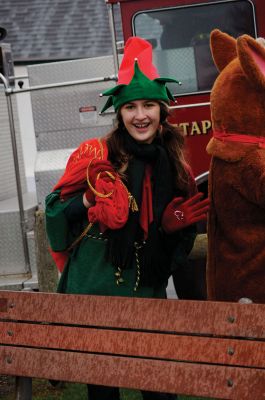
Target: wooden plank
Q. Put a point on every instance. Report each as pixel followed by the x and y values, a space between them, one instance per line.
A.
pixel 156 345
pixel 228 319
pixel 156 375
pixel 3 305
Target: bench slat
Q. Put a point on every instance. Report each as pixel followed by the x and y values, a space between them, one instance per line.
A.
pixel 173 377
pixel 156 345
pixel 185 316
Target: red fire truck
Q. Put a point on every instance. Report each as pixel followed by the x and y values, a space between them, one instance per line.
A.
pixel 179 31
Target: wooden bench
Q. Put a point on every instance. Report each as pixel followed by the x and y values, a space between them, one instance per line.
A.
pixel 188 347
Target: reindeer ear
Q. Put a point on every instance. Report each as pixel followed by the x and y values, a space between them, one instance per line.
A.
pixel 223 48
pixel 251 55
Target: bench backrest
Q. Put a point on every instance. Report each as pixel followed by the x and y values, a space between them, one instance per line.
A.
pixel 199 348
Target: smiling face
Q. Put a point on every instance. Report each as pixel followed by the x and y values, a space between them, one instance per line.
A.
pixel 141 118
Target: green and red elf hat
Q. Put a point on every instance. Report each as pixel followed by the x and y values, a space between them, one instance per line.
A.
pixel 138 78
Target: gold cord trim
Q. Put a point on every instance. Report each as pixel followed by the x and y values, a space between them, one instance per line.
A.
pixel 132 202
pixel 118 276
pixel 138 267
pixel 76 241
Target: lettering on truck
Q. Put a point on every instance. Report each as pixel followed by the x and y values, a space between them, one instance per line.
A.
pixel 195 127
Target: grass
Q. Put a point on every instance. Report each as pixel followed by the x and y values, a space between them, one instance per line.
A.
pixel 43 390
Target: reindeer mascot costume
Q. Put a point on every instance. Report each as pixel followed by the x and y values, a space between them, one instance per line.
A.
pixel 236 227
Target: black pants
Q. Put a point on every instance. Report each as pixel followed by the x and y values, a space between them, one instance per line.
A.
pixel 110 393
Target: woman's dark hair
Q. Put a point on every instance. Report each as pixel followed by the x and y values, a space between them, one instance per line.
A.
pixel 172 139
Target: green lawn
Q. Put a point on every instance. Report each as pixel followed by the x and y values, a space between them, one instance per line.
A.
pixel 42 390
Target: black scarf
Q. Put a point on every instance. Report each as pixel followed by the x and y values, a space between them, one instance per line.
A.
pixel 154 255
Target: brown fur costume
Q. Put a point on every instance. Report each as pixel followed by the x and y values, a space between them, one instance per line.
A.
pixel 236 227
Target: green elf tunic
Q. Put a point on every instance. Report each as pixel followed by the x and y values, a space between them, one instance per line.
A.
pixel 87 271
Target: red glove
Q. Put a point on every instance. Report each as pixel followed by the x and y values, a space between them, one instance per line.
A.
pixel 179 213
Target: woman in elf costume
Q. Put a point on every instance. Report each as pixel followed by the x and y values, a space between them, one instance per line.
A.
pixel 122 216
